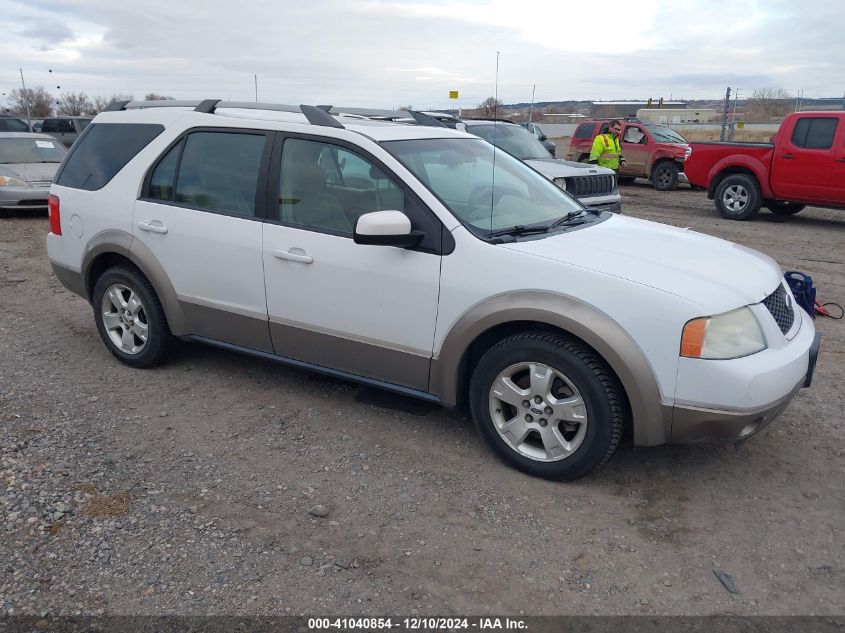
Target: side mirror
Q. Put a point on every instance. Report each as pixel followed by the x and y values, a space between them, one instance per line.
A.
pixel 542 137
pixel 386 228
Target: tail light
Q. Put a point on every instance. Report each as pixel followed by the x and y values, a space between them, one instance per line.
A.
pixel 55 219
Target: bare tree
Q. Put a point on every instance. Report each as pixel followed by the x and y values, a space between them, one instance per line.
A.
pixel 98 104
pixel 767 104
pixel 40 102
pixel 155 97
pixel 490 106
pixel 74 104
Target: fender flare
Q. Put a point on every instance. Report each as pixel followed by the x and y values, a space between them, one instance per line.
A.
pixel 652 418
pixel 124 244
pixel 754 165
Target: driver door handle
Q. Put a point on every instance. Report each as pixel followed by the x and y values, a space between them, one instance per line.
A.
pixel 787 156
pixel 294 257
pixel 152 228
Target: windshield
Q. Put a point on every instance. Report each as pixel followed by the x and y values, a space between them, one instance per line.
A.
pixel 31 150
pixel 666 135
pixel 514 139
pixel 461 173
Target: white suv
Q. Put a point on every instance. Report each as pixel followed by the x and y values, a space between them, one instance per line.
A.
pixel 424 261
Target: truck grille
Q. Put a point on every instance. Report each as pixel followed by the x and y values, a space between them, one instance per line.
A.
pixel 783 312
pixel 587 186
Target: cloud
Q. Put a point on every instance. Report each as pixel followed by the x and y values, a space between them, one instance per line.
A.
pixel 383 53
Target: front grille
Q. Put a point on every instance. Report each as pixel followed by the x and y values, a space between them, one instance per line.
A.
pixel 33 202
pixel 780 309
pixel 587 186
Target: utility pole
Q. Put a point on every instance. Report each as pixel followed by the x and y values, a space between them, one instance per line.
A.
pixel 725 108
pixel 26 100
pixel 733 118
pixel 256 88
pixel 531 109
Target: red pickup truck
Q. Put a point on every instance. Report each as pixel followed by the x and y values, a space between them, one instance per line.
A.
pixel 805 164
pixel 651 151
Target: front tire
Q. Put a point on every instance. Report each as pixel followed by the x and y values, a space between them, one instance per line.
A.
pixel 547 405
pixel 738 197
pixel 665 176
pixel 784 208
pixel 130 318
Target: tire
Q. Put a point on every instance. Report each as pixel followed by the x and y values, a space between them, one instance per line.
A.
pixel 664 176
pixel 738 197
pixel 529 438
pixel 126 308
pixel 784 208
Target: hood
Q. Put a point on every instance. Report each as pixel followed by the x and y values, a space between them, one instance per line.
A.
pixel 714 273
pixel 557 168
pixel 31 172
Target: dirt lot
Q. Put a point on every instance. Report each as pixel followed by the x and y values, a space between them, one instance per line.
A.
pixel 187 489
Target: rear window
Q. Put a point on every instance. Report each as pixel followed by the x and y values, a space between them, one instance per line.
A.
pixel 102 151
pixel 13 125
pixel 585 130
pixel 814 133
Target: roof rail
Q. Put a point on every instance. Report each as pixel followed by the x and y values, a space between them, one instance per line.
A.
pixel 425 119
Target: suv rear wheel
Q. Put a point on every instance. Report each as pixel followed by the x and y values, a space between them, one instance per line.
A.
pixel 784 208
pixel 738 197
pixel 130 318
pixel 547 405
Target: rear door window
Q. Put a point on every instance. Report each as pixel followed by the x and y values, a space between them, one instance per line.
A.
pixel 102 151
pixel 814 132
pixel 585 130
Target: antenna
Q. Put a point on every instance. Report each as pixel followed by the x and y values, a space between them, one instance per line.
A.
pixel 495 126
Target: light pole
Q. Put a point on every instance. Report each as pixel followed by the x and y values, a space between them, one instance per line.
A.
pixel 25 96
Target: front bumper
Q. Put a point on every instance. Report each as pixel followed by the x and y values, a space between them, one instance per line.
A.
pixel 729 400
pixel 22 199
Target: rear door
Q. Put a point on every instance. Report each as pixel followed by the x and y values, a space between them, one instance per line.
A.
pixel 804 159
pixel 200 214
pixel 837 172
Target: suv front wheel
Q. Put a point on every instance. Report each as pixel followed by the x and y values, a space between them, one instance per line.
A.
pixel 547 405
pixel 130 318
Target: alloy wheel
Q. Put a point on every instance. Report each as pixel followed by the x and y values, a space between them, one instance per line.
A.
pixel 125 319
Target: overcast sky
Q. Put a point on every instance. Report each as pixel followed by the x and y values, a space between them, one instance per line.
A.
pixel 397 52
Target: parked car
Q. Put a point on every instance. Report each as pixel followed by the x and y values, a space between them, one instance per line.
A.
pixel 66 129
pixel 28 163
pixel 420 260
pixel 13 124
pixel 594 186
pixel 805 164
pixel 655 152
pixel 541 136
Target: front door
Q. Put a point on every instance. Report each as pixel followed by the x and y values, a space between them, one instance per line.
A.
pixel 365 310
pixel 803 162
pixel 635 152
pixel 200 216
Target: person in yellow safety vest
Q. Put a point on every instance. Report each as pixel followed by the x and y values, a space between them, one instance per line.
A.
pixel 606 150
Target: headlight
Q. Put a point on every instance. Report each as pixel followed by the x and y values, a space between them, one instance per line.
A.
pixel 560 182
pixel 729 335
pixel 9 181
pixel 687 153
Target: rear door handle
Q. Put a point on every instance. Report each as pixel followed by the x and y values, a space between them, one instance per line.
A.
pixel 294 257
pixel 152 228
pixel 787 156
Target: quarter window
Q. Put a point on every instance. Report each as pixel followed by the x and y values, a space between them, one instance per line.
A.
pixel 163 180
pixel 814 133
pixel 327 187
pixel 585 130
pixel 102 151
pixel 218 171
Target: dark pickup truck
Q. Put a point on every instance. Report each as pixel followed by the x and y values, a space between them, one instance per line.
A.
pixel 804 164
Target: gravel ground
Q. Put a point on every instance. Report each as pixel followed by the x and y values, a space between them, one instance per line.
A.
pixel 224 484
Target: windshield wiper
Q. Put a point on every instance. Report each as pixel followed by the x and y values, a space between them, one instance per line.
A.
pixel 566 219
pixel 520 230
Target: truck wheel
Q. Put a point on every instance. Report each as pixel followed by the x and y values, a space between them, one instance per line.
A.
pixel 665 176
pixel 738 197
pixel 547 405
pixel 784 208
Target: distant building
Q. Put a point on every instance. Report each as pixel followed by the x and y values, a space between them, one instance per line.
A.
pixel 608 109
pixel 673 116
